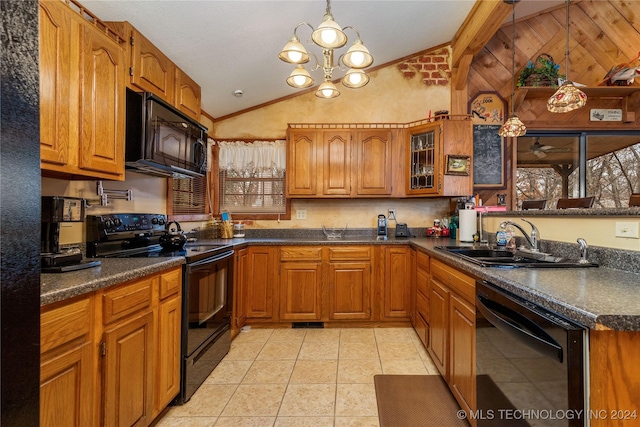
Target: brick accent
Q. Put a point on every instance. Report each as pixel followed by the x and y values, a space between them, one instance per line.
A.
pixel 432 67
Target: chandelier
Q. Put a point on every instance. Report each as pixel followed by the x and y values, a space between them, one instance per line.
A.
pixel 513 127
pixel 567 97
pixel 328 36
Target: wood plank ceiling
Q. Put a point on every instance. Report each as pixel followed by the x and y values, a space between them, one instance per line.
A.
pixel 602 34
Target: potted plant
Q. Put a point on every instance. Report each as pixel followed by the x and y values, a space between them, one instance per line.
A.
pixel 542 72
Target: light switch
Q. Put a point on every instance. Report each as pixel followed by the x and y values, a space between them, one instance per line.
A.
pixel 627 230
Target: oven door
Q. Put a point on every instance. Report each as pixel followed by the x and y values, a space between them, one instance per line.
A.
pixel 208 298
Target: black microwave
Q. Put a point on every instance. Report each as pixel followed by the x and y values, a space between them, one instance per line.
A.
pixel 161 140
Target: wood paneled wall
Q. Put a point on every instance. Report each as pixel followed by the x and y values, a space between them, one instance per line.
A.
pixel 602 34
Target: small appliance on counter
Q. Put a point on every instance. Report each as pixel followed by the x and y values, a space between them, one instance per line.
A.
pixel 382 227
pixel 402 230
pixel 55 210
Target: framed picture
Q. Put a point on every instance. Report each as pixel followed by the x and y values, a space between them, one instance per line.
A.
pixel 457 165
pixel 489 160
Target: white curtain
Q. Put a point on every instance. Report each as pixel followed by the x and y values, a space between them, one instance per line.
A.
pixel 247 158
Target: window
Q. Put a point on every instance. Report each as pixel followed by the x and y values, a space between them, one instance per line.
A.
pixel 189 198
pixel 605 165
pixel 252 179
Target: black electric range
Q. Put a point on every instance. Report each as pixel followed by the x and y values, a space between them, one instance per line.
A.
pixel 137 236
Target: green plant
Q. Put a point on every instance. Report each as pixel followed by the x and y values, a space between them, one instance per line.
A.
pixel 543 72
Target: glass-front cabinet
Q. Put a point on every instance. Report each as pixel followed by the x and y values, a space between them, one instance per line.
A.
pixel 424 157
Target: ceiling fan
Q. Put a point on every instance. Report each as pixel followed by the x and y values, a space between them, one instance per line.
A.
pixel 541 151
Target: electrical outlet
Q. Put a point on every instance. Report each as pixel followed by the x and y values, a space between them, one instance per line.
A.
pixel 627 230
pixel 301 214
pixel 392 214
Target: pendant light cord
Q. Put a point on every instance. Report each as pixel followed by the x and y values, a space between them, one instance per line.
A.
pixel 513 55
pixel 566 52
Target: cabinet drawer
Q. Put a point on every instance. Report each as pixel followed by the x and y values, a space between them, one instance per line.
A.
pixel 455 280
pixel 422 260
pixel 64 324
pixel 301 253
pixel 127 299
pixel 351 253
pixel 422 306
pixel 170 283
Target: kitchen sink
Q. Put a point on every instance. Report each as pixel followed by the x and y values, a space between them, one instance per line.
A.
pixel 489 256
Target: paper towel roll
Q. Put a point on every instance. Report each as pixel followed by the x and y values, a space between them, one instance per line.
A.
pixel 468 225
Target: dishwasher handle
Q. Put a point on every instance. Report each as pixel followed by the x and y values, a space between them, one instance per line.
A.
pixel 519 327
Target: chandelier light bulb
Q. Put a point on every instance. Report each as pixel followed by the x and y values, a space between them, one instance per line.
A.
pixel 299 80
pixel 295 57
pixel 355 78
pixel 328 36
pixel 327 90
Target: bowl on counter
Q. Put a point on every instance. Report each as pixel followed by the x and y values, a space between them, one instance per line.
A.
pixel 333 233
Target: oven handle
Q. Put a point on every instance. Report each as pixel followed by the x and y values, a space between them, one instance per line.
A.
pixel 206 261
pixel 516 326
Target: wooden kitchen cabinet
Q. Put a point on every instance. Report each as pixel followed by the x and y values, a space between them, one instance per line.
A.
pixel 462 352
pixel 128 354
pixel 188 95
pixel 422 278
pixel 429 146
pixel 262 269
pixel 240 275
pixel 112 357
pixel 397 282
pixel 300 283
pixel 82 65
pixel 167 382
pixel 67 364
pixel 149 69
pixel 349 282
pixel 452 333
pixel 334 163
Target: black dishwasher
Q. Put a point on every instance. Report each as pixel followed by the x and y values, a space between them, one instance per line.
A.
pixel 530 363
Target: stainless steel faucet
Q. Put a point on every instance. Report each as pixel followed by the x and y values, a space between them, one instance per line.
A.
pixel 584 251
pixel 535 233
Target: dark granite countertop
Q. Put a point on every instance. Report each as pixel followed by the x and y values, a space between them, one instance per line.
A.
pixel 56 287
pixel 591 296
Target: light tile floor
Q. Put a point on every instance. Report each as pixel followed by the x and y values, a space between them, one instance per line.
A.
pixel 302 377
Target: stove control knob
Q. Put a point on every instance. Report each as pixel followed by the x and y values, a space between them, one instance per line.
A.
pixel 154 221
pixel 108 223
pixel 161 220
pixel 117 222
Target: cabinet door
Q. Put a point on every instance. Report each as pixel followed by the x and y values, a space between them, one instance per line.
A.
pixel 101 103
pixel 336 163
pixel 188 95
pixel 349 290
pixel 260 268
pixel 55 82
pixel 128 372
pixel 439 326
pixel 397 277
pixel 302 172
pixel 151 70
pixel 424 160
pixel 462 352
pixel 375 163
pixel 168 352
pixel 67 370
pixel 300 290
pixel 240 290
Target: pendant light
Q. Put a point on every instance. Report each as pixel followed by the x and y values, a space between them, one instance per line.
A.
pixel 567 97
pixel 513 127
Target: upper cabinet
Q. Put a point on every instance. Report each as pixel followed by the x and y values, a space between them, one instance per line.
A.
pixel 82 68
pixel 330 163
pixel 428 147
pixel 150 70
pixel 188 95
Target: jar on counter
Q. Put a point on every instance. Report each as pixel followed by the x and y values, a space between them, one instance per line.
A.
pixel 238 230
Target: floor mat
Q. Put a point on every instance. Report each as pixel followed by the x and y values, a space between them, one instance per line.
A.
pixel 416 401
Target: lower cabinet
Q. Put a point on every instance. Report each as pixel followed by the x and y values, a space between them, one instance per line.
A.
pixel 67 364
pixel 452 332
pixel 112 358
pixel 300 283
pixel 261 273
pixel 397 282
